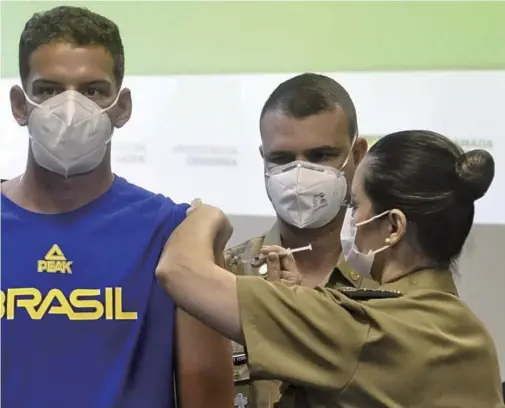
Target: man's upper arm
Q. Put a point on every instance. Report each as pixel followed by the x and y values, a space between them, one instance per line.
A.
pixel 308 337
pixel 204 365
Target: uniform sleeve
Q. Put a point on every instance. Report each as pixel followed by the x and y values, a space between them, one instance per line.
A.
pixel 307 337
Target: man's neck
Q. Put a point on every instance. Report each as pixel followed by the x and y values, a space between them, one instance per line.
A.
pixel 42 191
pixel 315 265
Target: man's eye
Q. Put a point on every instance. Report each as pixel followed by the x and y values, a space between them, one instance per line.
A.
pixel 280 160
pixel 326 156
pixel 320 157
pixel 47 92
pixel 91 93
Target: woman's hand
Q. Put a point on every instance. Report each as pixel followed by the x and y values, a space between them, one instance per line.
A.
pixel 194 205
pixel 216 222
pixel 281 265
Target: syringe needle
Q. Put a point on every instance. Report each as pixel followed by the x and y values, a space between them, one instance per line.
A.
pixel 300 249
pixel 260 257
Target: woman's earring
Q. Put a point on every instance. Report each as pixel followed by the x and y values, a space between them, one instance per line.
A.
pixel 388 241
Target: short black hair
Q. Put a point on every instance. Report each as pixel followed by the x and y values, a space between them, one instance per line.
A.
pixel 310 94
pixel 75 25
pixel 434 183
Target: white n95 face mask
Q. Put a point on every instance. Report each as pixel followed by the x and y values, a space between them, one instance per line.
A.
pixel 359 261
pixel 304 194
pixel 69 133
pixel 307 195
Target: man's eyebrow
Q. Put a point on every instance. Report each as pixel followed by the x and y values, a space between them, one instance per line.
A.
pixel 279 153
pixel 44 81
pixel 325 149
pixel 97 82
pixel 319 149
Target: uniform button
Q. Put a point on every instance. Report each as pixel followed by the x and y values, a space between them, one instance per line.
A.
pixel 355 276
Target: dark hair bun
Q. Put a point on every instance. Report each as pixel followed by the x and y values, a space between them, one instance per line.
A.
pixel 475 171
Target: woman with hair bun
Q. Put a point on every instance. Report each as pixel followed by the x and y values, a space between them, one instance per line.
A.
pixel 410 343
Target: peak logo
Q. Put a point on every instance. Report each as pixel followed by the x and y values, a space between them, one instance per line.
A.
pixel 54 262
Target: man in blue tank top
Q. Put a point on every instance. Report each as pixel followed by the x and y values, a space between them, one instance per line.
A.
pixel 84 322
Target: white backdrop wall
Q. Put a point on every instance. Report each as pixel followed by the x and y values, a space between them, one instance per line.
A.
pixel 197 136
pixel 205 128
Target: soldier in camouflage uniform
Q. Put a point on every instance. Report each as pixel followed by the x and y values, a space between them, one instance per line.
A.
pixel 308 126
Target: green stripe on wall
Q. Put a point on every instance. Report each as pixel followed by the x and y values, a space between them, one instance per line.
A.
pixel 237 37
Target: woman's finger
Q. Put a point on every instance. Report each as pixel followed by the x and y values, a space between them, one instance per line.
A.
pixel 267 249
pixel 194 204
pixel 273 267
pixel 288 262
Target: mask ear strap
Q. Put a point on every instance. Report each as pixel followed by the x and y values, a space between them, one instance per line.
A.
pixel 382 214
pixel 37 105
pixel 383 248
pixel 350 151
pixel 113 103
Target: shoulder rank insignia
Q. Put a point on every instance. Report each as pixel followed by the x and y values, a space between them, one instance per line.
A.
pixel 249 248
pixel 365 294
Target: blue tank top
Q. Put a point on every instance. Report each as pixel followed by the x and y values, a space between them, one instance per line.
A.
pixel 84 322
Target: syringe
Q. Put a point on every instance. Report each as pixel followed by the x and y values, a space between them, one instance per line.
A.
pixel 260 257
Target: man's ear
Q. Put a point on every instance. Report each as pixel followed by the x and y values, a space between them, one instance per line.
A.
pixel 124 108
pixel 359 150
pixel 261 151
pixel 19 104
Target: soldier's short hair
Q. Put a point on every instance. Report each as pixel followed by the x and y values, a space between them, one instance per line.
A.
pixel 310 94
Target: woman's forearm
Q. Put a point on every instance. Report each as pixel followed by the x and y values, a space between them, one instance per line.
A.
pixel 202 289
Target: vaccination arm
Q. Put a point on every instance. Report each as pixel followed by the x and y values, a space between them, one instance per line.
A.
pixel 204 365
pixel 276 322
pixel 188 271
